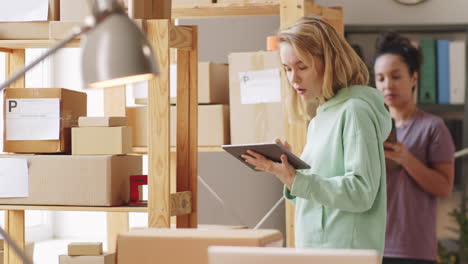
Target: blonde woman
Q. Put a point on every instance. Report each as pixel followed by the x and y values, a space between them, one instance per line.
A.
pixel 341 200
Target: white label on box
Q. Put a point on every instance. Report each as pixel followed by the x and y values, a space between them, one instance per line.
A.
pixel 33 119
pixel 14 180
pixel 260 86
pixel 24 10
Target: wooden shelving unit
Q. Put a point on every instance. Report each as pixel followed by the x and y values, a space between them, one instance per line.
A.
pixel 163 36
pixel 161 203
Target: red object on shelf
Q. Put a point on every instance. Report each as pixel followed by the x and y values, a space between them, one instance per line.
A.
pixel 135 182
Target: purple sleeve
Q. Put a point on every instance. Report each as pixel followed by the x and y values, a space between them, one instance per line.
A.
pixel 441 147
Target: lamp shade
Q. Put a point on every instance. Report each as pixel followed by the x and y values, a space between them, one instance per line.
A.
pixel 116 52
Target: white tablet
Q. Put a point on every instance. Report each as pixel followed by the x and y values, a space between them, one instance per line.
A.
pixel 271 151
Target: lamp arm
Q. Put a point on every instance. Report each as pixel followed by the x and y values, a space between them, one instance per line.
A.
pixel 76 32
pixel 15 247
pixel 461 153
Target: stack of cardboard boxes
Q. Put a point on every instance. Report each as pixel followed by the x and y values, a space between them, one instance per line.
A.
pixel 86 253
pixel 37 123
pixel 213 109
pixel 102 135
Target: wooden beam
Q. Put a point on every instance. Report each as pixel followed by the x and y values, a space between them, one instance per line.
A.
pixel 14 226
pixel 228 9
pixel 182 129
pixel 187 129
pixel 193 128
pixel 117 222
pixel 149 9
pixel 15 61
pixel 180 37
pixel 181 203
pixel 6 50
pixel 115 101
pixel 73 208
pixel 54 10
pixel 158 128
pixel 162 9
pixel 26 44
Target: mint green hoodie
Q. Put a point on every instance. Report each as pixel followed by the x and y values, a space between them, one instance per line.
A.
pixel 341 200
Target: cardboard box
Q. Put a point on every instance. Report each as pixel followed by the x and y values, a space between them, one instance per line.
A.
pixel 213 125
pixel 24 30
pixel 102 121
pixel 101 140
pixel 107 258
pixel 256 122
pixel 85 249
pixel 138 121
pixel 50 111
pixel 77 10
pixel 213 85
pixel 77 180
pixel 181 246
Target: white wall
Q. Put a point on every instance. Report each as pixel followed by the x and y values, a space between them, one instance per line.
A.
pixel 220 36
pixel 359 12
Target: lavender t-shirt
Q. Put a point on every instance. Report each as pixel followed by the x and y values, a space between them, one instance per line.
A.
pixel 411 211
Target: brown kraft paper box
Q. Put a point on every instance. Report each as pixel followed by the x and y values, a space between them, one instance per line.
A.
pixel 258 122
pixel 101 180
pixel 72 105
pixel 181 246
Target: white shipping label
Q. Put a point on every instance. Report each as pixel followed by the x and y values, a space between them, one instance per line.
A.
pixel 33 119
pixel 14 179
pixel 260 86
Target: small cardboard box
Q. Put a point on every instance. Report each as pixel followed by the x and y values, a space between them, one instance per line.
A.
pixel 213 85
pixel 40 120
pixel 102 121
pixel 213 125
pixel 85 249
pixel 107 258
pixel 256 109
pixel 101 140
pixel 144 246
pixel 24 30
pixel 138 121
pixel 77 180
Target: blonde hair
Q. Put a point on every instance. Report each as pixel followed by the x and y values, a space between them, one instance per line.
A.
pixel 311 37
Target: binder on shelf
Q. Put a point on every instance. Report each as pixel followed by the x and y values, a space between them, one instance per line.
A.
pixel 457 54
pixel 427 81
pixel 443 72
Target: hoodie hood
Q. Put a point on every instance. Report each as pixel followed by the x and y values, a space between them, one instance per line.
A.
pixel 372 97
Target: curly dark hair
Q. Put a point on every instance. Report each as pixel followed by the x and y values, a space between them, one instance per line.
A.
pixel 391 42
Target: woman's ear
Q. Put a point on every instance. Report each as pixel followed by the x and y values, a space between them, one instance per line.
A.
pixel 415 79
